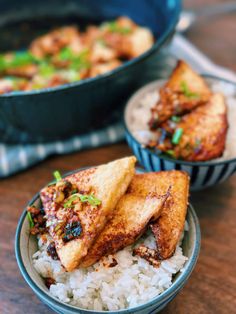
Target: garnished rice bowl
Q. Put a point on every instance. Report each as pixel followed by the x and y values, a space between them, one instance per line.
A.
pixel 121 283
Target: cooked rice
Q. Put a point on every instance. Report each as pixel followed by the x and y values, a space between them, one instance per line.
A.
pixel 130 283
pixel 141 115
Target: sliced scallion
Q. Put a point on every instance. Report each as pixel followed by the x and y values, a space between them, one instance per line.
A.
pixel 115 28
pixel 170 152
pixel 175 118
pixel 187 92
pixel 57 175
pixel 84 198
pixel 177 136
pixel 30 219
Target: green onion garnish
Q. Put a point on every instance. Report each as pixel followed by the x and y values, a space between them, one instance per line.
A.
pixel 46 69
pixel 177 136
pixel 175 118
pixel 16 59
pixel 31 222
pixel 77 61
pixel 84 198
pixel 57 175
pixel 66 54
pixel 80 61
pixel 170 152
pixel 91 199
pixel 115 28
pixel 74 191
pixel 187 92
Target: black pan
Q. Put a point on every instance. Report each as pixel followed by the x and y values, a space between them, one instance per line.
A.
pixel 76 108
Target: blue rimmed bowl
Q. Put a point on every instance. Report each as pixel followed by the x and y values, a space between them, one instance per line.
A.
pixel 202 174
pixel 26 246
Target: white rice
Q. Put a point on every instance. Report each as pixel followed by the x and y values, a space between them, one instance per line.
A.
pixel 131 282
pixel 141 114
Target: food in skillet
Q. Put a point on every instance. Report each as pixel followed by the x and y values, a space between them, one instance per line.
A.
pixel 188 121
pixel 68 54
pixel 114 272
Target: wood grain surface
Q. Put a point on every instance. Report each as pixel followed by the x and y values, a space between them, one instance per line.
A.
pixel 212 286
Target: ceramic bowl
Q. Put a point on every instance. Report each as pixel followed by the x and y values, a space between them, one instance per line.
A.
pixel 202 174
pixel 26 246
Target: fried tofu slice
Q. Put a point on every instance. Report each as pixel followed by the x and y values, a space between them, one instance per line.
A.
pixel 204 131
pixel 170 225
pixel 184 91
pixel 78 207
pixel 132 215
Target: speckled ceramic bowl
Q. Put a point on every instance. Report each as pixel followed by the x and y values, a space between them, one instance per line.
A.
pixel 203 174
pixel 26 246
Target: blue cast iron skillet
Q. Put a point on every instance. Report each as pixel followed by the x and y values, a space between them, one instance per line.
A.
pixel 76 108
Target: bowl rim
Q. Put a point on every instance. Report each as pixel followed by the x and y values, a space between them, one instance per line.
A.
pixel 161 299
pixel 127 64
pixel 176 161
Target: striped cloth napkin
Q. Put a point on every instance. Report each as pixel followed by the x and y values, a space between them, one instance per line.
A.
pixel 15 158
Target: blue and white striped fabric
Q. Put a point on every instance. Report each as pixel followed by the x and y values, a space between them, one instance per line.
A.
pixel 14 158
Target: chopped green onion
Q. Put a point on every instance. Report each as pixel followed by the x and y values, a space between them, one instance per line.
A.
pixel 66 54
pixel 31 222
pixel 22 58
pixel 91 199
pixel 187 92
pixel 57 175
pixel 77 61
pixel 175 118
pixel 74 191
pixel 170 152
pixel 80 61
pixel 71 199
pixel 16 59
pixel 115 28
pixel 177 136
pixel 46 69
pixel 84 198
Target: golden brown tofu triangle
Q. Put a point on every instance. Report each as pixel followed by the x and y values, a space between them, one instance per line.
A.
pixel 131 217
pixel 184 91
pixel 170 225
pixel 107 183
pixel 204 131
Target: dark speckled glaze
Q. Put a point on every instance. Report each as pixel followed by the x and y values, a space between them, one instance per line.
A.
pixel 78 107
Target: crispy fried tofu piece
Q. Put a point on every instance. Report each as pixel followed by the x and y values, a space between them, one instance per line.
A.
pixel 135 210
pixel 170 225
pixel 26 71
pixel 107 183
pixel 54 41
pixel 130 40
pixel 184 91
pixel 204 131
pixel 102 68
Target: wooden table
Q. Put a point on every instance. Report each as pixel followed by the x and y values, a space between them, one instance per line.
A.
pixel 212 286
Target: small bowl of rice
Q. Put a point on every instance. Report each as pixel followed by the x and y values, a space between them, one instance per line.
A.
pixel 131 285
pixel 203 174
